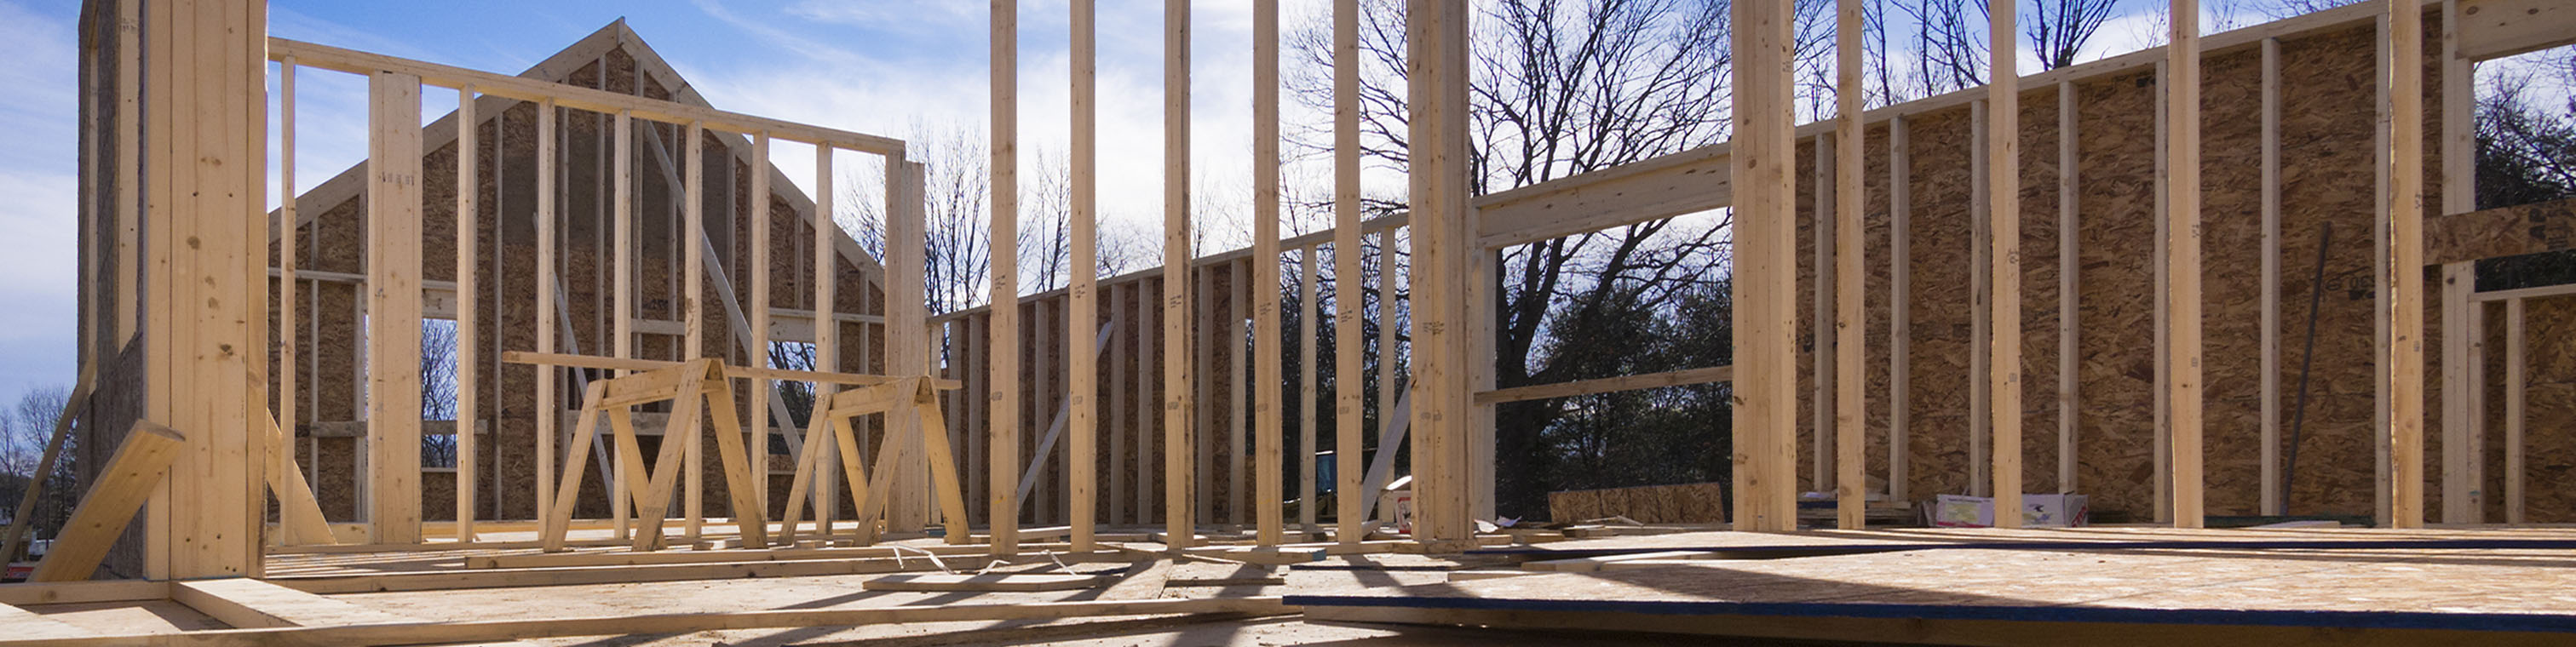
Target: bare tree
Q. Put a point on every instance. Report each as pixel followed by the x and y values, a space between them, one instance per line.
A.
pixel 438 390
pixel 1561 87
pixel 2061 28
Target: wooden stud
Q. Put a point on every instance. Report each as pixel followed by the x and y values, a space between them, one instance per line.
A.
pixel 693 292
pixel 2003 240
pixel 2070 313
pixel 2515 386
pixel 1004 365
pixel 1267 333
pixel 1178 382
pixel 2462 449
pixel 1238 407
pixel 761 268
pixel 547 283
pixel 1311 327
pixel 1850 307
pixel 290 346
pixel 469 353
pixel 827 337
pixel 393 307
pixel 1765 285
pixel 2402 277
pixel 2161 471
pixel 1082 320
pixel 1980 426
pixel 1148 307
pixel 1825 355
pixel 130 476
pixel 2182 261
pixel 1349 375
pixel 2271 501
pixel 1202 449
pixel 1900 310
pixel 1388 378
pixel 1113 405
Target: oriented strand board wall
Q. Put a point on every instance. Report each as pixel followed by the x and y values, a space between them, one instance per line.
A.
pixel 2327 131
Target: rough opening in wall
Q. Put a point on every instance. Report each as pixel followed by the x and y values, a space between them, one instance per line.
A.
pixel 1638 299
pixel 2526 152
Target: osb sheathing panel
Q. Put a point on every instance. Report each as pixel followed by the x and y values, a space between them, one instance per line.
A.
pixel 2327 176
pixel 1684 503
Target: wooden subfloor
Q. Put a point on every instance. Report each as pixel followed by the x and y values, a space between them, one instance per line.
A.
pixel 1954 586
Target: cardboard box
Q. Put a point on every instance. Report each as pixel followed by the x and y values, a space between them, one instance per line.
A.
pixel 2038 511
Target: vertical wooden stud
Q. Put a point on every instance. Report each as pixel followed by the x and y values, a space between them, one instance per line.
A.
pixel 1900 307
pixel 1765 285
pixel 1349 376
pixel 2182 260
pixel 393 307
pixel 1850 308
pixel 2402 277
pixel 469 354
pixel 2003 193
pixel 1266 331
pixel 1178 383
pixel 2270 472
pixel 2070 314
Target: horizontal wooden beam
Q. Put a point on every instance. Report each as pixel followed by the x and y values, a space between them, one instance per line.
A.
pixel 1660 187
pixel 2501 28
pixel 630 364
pixel 1608 385
pixel 80 592
pixel 2502 231
pixel 575 97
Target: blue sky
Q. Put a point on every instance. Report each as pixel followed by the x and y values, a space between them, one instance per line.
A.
pixel 892 67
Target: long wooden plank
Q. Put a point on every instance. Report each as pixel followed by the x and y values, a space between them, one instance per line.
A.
pixel 2270 472
pixel 1267 332
pixel 1003 363
pixel 1900 310
pixel 1083 317
pixel 1238 425
pixel 33 626
pixel 2401 280
pixel 1311 330
pixel 1765 286
pixel 575 97
pixel 1444 256
pixel 2003 190
pixel 2515 385
pixel 1178 382
pixel 1684 377
pixel 2488 29
pixel 469 354
pixel 1349 375
pixel 547 284
pixel 393 307
pixel 762 268
pixel 129 477
pixel 1825 356
pixel 246 603
pixel 290 345
pixel 693 292
pixel 2183 271
pixel 2462 453
pixel 1981 304
pixel 1850 309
